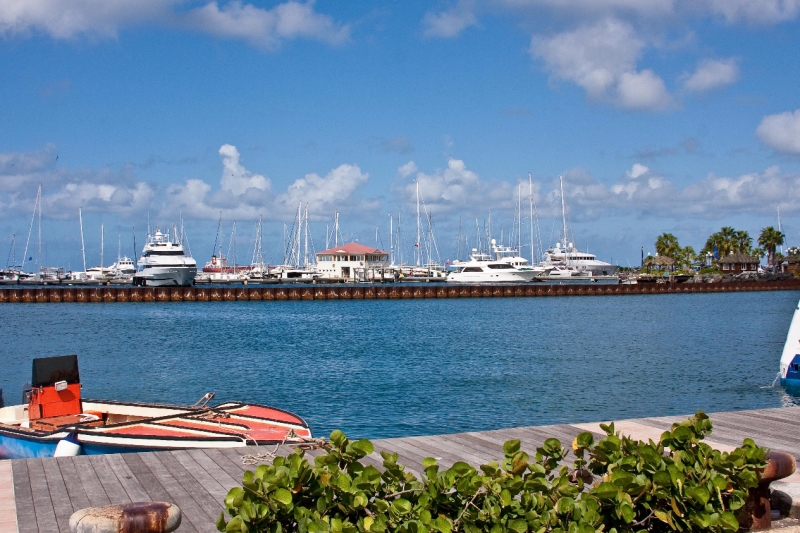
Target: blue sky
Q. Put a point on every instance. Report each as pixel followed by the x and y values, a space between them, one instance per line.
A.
pixel 662 115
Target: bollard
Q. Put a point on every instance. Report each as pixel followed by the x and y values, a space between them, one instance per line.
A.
pixel 756 514
pixel 139 517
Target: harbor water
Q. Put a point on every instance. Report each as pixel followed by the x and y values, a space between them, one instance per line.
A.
pixel 388 368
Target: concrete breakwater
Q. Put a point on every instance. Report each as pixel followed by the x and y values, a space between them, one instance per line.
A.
pixel 378 292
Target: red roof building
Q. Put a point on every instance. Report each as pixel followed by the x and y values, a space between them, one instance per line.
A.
pixel 347 260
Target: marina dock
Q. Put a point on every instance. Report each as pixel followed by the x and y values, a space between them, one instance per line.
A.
pixel 47 491
pixel 369 292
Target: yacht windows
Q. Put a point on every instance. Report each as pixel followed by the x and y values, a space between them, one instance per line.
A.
pixel 148 253
pixel 472 269
pixel 500 266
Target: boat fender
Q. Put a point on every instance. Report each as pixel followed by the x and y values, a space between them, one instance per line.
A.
pixel 69 446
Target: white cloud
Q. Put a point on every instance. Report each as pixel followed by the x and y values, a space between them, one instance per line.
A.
pixel 644 192
pixel 642 90
pixel 266 28
pixel 260 27
pixel 63 19
pixel 756 11
pixel 450 23
pixel 454 187
pixel 781 132
pixel 602 59
pixel 711 74
pixel 243 194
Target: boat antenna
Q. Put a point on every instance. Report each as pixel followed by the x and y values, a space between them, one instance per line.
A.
pixel 83 249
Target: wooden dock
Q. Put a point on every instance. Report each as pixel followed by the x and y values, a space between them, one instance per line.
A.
pixel 47 491
pixel 368 292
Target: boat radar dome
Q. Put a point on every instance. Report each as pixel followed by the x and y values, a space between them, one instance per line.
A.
pixel 494 242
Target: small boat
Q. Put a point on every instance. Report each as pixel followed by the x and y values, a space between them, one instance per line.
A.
pixel 54 420
pixel 790 359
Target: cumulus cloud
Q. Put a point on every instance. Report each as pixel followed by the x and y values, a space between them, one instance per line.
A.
pixel 451 22
pixel 755 11
pixel 781 132
pixel 243 194
pixel 266 28
pixel 63 19
pixel 63 190
pixel 644 192
pixel 711 74
pixel 454 187
pixel 602 58
pixel 260 27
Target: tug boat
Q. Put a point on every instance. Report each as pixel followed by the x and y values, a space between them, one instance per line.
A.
pixel 790 359
pixel 56 421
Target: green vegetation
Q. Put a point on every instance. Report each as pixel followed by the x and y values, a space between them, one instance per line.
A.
pixel 770 239
pixel 617 485
pixel 729 240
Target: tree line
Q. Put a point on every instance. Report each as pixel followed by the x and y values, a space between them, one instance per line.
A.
pixel 723 242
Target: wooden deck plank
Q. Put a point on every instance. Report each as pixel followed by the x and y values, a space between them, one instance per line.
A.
pixel 60 498
pixel 179 495
pixel 73 484
pixel 151 485
pixel 23 497
pixel 126 478
pixel 191 482
pixel 217 473
pixel 45 513
pixel 91 484
pixel 111 484
pixel 227 464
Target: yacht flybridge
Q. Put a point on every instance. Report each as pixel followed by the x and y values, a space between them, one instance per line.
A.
pixel 164 262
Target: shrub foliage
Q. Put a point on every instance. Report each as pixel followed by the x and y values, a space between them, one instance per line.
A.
pixel 615 485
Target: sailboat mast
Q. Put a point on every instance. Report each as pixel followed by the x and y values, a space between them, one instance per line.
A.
pixel 419 244
pixel 39 201
pixel 530 206
pixel 563 211
pixel 391 241
pixel 83 248
pixel 305 223
pixel 780 227
pixel 519 218
pixel 102 246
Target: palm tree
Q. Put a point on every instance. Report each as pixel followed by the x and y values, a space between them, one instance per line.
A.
pixel 770 239
pixel 744 241
pixel 725 241
pixel 667 244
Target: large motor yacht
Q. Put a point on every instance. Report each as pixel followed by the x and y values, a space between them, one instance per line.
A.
pixel 164 262
pixel 482 268
pixel 506 254
pixel 568 261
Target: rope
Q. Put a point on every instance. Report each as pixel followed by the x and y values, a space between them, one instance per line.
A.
pixel 305 444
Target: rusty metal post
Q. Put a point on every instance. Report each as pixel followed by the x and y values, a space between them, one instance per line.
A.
pixel 756 514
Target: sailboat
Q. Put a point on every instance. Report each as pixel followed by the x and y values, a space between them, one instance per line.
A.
pixel 298 263
pixel 567 262
pixel 790 358
pixel 43 275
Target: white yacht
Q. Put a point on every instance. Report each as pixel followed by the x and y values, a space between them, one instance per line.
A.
pixel 482 268
pixel 566 261
pixel 164 262
pixel 506 254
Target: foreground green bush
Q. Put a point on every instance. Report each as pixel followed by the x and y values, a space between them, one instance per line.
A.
pixel 615 485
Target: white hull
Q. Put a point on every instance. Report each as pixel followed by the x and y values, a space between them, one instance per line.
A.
pixel 166 276
pixel 520 276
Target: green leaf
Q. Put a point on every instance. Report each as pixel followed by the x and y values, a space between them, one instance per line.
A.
pixel 360 500
pixel 428 461
pixel 441 524
pixel 234 525
pixel 605 491
pixel 337 438
pixel 283 496
pixel 511 447
pixel 461 468
pixel 401 506
pixel 728 522
pixel 519 526
pixel 565 505
pixel 220 523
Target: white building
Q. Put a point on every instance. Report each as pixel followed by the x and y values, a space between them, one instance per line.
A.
pixel 352 261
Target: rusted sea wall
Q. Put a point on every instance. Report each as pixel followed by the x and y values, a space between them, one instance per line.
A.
pixel 366 292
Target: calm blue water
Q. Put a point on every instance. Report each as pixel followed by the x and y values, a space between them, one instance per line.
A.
pixel 410 367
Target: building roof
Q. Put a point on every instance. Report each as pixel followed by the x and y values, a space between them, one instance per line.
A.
pixel 352 248
pixel 791 259
pixel 659 260
pixel 739 258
